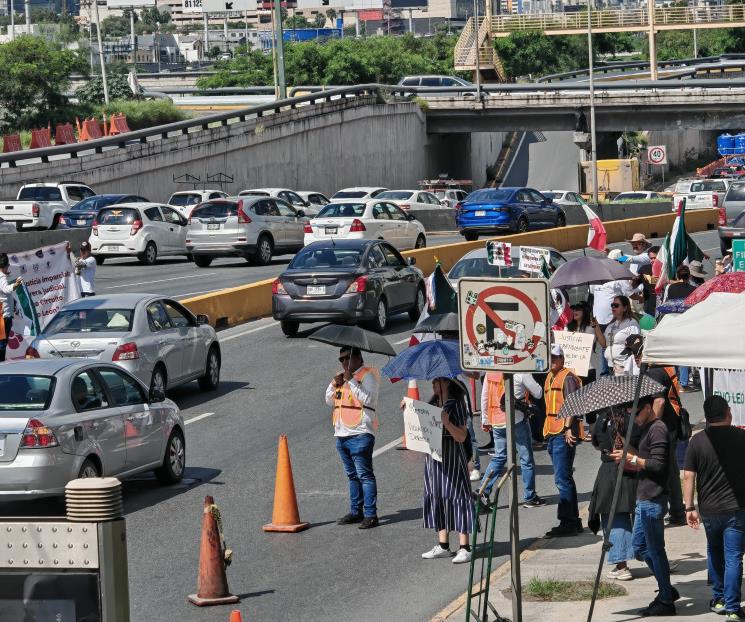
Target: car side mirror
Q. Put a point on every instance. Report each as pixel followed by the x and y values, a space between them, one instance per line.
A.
pixel 306 203
pixel 300 213
pixel 412 261
pixel 156 395
pixel 203 319
pixel 444 203
pixel 410 217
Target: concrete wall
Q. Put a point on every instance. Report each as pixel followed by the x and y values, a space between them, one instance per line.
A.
pixel 619 211
pixel 19 242
pixel 684 145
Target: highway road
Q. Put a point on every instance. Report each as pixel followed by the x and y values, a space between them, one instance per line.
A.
pixel 273 385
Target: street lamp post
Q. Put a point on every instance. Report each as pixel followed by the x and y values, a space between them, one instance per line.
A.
pixel 12 20
pixel 593 135
pixel 100 54
pixel 280 51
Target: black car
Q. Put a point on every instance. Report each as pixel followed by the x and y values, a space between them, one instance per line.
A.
pixel 83 214
pixel 349 282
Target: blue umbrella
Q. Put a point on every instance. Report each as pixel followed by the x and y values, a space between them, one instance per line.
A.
pixel 674 305
pixel 426 361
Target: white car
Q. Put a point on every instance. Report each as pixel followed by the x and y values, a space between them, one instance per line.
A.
pixel 315 200
pixel 637 195
pixel 185 200
pixel 451 197
pixel 562 197
pixel 287 195
pixel 701 193
pixel 366 220
pixel 358 192
pixel 143 230
pixel 407 199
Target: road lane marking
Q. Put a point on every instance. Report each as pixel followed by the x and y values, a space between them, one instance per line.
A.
pixel 247 332
pixel 384 448
pixel 198 418
pixel 175 278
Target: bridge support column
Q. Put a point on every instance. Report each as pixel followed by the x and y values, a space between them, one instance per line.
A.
pixel 652 42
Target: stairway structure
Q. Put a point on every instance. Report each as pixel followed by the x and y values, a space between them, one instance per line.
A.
pixel 490 65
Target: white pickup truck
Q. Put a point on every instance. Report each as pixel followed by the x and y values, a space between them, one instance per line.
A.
pixel 700 193
pixel 41 205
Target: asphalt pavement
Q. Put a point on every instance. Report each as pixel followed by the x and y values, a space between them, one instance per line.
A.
pixel 272 385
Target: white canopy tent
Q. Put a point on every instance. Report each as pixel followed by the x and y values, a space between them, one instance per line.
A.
pixel 711 334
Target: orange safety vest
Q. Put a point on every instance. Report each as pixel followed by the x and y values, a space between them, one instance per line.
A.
pixel 495 416
pixel 673 393
pixel 347 408
pixel 554 392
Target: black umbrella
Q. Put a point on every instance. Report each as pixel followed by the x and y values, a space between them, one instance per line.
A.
pixel 606 392
pixel 442 323
pixel 589 271
pixel 355 337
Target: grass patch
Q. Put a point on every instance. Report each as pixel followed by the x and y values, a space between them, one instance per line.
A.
pixel 540 590
pixel 658 200
pixel 145 113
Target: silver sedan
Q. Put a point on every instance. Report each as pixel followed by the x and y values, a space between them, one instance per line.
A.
pixel 156 339
pixel 64 419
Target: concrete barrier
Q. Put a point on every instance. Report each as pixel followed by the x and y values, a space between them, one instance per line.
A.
pixel 435 219
pixel 248 302
pixel 618 211
pixel 26 240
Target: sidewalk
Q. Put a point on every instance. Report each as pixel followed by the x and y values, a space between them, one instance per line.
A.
pixel 577 558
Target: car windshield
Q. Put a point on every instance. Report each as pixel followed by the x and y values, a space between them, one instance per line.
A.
pixel 117 216
pixel 90 321
pixel 326 257
pixel 552 195
pixel 739 221
pixel 350 194
pixel 395 195
pixel 736 193
pixel 630 196
pixel 218 209
pixel 342 210
pixel 708 186
pixel 94 203
pixel 254 193
pixel 25 392
pixel 489 194
pixel 39 193
pixel 181 200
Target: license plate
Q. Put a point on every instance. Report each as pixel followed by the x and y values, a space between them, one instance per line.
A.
pixel 316 290
pixel 110 247
pixel 2 444
pixel 480 212
pixel 80 222
pixel 332 230
pixel 213 227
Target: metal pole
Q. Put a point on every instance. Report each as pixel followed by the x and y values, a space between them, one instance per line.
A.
pixel 281 84
pixel 652 42
pixel 245 17
pixel 593 134
pixel 158 48
pixel 27 8
pixel 476 43
pixel 206 35
pixel 133 46
pixel 515 580
pixel 100 54
pixel 411 21
pixel 274 55
pixel 695 43
pixel 12 20
pixel 225 32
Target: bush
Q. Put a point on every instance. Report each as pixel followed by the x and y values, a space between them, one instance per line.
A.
pixel 148 113
pixel 92 92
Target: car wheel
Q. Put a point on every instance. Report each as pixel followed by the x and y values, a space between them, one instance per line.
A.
pixel 289 328
pixel 211 378
pixel 89 469
pixel 202 261
pixel 55 222
pixel 421 241
pixel 471 236
pixel 522 225
pixel 100 260
pixel 158 380
pixel 380 321
pixel 418 307
pixel 264 250
pixel 561 220
pixel 150 256
pixel 174 461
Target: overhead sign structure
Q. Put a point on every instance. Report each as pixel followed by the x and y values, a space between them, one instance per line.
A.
pixel 657 154
pixel 503 325
pixel 214 6
pixel 738 255
pixel 129 4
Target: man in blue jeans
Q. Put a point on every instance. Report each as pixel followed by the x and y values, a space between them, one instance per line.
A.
pixel 648 536
pixel 714 462
pixel 493 417
pixel 353 396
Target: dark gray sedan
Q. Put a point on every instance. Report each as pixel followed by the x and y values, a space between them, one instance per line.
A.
pixel 347 281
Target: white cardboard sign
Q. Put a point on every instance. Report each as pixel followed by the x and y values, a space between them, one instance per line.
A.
pixel 423 428
pixel 577 350
pixel 532 258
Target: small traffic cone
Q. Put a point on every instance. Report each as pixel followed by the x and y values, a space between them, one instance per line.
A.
pixel 235 616
pixel 285 516
pixel 212 584
pixel 413 393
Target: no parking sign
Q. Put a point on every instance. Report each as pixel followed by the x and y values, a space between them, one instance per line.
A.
pixel 504 324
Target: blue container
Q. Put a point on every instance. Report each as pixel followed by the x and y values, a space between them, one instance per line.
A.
pixel 726 144
pixel 740 144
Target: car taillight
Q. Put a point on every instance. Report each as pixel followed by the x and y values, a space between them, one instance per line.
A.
pixel 32 353
pixel 357 286
pixel 37 435
pixel 95 227
pixel 136 226
pixel 307 228
pixel 722 222
pixel 35 209
pixel 357 226
pixel 242 216
pixel 126 352
pixel 715 200
pixel 278 288
pixel 458 207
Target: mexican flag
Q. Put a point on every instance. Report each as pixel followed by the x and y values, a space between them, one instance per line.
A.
pixel 597 238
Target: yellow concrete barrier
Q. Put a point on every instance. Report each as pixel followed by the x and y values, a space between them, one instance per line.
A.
pixel 236 305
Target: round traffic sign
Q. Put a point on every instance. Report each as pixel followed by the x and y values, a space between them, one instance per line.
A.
pixel 657 155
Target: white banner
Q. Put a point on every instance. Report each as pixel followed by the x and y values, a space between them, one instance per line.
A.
pixel 731 386
pixel 49 282
pixel 577 350
pixel 531 259
pixel 423 428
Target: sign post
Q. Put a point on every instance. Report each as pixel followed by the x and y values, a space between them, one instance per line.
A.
pixel 738 255
pixel 504 327
pixel 658 155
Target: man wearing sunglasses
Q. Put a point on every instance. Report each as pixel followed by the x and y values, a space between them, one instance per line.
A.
pixel 353 396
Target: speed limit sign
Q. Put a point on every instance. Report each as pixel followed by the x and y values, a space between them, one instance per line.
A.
pixel 657 154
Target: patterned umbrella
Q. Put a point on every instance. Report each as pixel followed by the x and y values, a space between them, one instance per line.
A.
pixel 673 305
pixel 606 392
pixel 729 282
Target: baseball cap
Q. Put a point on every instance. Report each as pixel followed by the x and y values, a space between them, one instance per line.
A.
pixel 557 350
pixel 634 345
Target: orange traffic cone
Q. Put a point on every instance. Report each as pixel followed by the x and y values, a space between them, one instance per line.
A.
pixel 235 616
pixel 285 516
pixel 212 584
pixel 413 393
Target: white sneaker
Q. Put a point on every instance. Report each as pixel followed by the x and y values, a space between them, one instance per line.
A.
pixel 462 557
pixel 620 574
pixel 674 563
pixel 475 475
pixel 437 552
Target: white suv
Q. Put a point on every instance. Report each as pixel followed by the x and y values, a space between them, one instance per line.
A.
pixel 255 228
pixel 185 200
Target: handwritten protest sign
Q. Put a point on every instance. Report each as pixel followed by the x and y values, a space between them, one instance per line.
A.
pixel 577 350
pixel 423 428
pixel 729 384
pixel 531 259
pixel 499 253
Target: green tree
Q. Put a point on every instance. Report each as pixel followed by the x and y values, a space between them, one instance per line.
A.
pixel 214 52
pixel 319 21
pixel 92 91
pixel 115 26
pixel 151 17
pixel 296 22
pixel 331 14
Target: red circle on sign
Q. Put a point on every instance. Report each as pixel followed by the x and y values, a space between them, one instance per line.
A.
pixel 481 304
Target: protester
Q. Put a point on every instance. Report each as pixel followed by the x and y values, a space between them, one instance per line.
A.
pixel 723 265
pixel 602 296
pixel 353 393
pixel 640 245
pixel 85 269
pixel 581 322
pixel 562 435
pixel 648 535
pixel 494 418
pixel 713 467
pixel 447 491
pixel 698 274
pixel 645 284
pixel 608 435
pixel 613 339
pixel 7 302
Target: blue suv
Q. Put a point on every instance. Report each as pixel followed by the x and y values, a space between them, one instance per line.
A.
pixel 495 210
